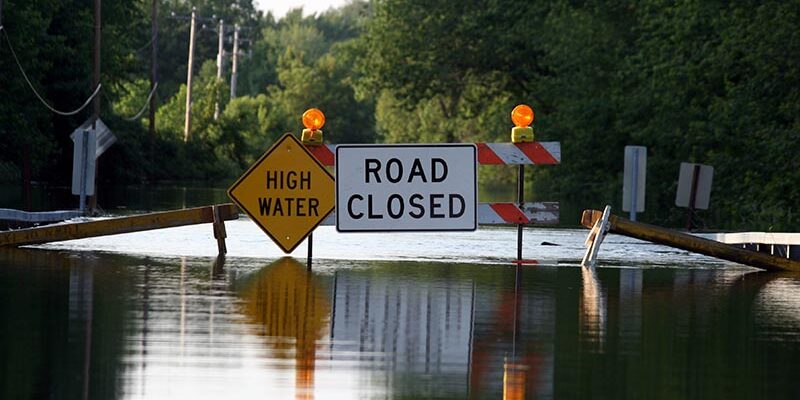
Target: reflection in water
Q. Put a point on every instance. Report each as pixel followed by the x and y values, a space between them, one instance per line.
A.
pixel 514 381
pixel 289 307
pixel 389 329
pixel 776 304
pixel 630 306
pixel 593 309
pixel 81 290
pixel 60 325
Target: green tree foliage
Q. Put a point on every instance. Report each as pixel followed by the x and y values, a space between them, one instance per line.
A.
pixel 708 82
pixel 701 81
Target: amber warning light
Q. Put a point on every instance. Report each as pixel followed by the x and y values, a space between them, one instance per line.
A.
pixel 313 120
pixel 522 117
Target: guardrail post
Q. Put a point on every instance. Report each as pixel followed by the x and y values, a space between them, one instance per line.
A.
pixel 219 232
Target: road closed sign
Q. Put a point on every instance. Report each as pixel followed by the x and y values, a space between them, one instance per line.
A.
pixel 406 188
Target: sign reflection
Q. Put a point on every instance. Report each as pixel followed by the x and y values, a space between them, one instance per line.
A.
pixel 289 305
pixel 593 308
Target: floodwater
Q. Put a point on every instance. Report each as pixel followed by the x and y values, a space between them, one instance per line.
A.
pixel 157 315
pixel 406 316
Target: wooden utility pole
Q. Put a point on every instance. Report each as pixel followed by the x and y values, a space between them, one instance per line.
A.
pixel 96 80
pixel 187 128
pixel 235 63
pixel 96 100
pixel 153 76
pixel 220 64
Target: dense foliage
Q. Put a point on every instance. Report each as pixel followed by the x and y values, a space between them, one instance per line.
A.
pixel 711 82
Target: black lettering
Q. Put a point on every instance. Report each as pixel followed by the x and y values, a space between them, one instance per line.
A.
pixel 372 166
pixel 438 178
pixel 301 202
pixel 291 181
pixel 264 204
pixel 349 206
pixel 435 205
pixel 313 203
pixel 289 201
pixel 416 170
pixel 394 161
pixel 278 208
pixel 461 210
pixel 371 215
pixel 390 208
pixel 413 201
pixel 272 179
pixel 305 180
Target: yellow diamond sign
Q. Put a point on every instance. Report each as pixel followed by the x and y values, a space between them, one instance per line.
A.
pixel 287 192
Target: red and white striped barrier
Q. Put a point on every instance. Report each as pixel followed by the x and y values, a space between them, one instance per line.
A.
pixel 504 214
pixel 536 153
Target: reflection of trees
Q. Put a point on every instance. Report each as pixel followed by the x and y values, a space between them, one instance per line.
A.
pixel 288 304
pixel 62 324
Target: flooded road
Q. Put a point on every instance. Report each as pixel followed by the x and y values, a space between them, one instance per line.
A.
pixel 156 315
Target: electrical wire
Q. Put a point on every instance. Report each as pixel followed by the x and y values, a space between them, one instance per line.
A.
pixel 149 42
pixel 144 107
pixel 24 75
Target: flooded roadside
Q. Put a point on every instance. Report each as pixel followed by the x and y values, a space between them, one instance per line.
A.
pixel 93 324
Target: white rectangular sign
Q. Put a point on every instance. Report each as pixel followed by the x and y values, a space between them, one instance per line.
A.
pixel 634 178
pixel 83 162
pixel 408 188
pixel 705 178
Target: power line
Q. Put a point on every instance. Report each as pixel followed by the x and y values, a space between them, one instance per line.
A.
pixel 41 99
pixel 146 45
pixel 144 107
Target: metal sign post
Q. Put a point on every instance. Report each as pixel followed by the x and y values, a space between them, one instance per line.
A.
pixel 89 144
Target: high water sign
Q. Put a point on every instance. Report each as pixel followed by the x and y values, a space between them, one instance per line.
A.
pixel 287 192
pixel 406 188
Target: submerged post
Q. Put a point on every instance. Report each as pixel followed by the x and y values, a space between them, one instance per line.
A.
pixel 310 250
pixel 521 201
pixel 219 231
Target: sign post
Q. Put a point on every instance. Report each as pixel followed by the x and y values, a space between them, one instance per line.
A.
pixel 89 144
pixel 286 192
pixel 406 188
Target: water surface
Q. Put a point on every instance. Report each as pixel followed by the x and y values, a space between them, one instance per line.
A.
pixel 157 315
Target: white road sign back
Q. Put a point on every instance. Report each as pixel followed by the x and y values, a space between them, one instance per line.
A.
pixel 406 188
pixel 83 162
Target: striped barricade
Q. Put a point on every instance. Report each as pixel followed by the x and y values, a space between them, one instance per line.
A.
pixel 532 153
pixel 544 213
